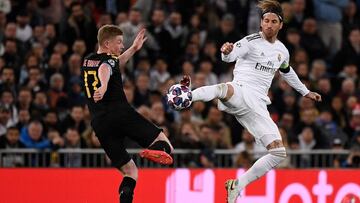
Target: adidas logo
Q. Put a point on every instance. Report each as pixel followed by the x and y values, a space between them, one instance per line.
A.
pixel 262 54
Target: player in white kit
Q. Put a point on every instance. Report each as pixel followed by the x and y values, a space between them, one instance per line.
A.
pixel 258 57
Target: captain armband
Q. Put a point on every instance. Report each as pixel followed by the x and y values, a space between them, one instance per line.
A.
pixel 285 69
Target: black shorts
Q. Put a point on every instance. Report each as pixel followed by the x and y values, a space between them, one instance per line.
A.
pixel 117 122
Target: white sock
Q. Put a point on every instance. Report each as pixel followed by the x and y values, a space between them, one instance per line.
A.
pixel 262 165
pixel 208 93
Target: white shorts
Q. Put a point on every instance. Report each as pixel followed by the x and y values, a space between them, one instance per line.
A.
pixel 251 112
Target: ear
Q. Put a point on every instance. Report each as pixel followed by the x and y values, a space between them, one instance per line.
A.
pixel 106 43
pixel 281 24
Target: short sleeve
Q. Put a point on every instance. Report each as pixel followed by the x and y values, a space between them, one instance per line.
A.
pixel 111 63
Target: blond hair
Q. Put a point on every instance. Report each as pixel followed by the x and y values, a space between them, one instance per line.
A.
pixel 107 32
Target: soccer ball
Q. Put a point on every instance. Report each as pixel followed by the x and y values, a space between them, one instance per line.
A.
pixel 179 97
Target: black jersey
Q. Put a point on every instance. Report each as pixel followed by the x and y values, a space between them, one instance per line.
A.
pixel 91 82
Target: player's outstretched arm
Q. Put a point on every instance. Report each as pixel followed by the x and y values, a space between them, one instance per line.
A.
pixel 293 80
pixel 136 46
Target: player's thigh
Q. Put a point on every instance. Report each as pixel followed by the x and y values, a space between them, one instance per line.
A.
pixel 261 126
pixel 140 129
pixel 112 141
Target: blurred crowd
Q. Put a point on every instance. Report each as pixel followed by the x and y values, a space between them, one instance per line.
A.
pixel 43 42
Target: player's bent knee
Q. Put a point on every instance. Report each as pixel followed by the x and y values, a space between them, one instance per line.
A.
pixel 230 91
pixel 279 152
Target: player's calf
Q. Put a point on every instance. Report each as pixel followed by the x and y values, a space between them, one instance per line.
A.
pixel 127 186
pixel 126 190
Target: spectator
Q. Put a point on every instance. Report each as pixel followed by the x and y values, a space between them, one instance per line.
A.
pixel 79 25
pixel 318 70
pixel 40 105
pixel 188 137
pixel 350 18
pixel 74 120
pixel 12 54
pixel 354 123
pixel 57 95
pixel 12 141
pixel 215 118
pixel 159 74
pixel 207 158
pixel 226 31
pixel 324 88
pixel 329 16
pixel 79 47
pixel 75 96
pixel 51 121
pixel 23 30
pixel 311 41
pixel 7 99
pixel 75 141
pixel 306 144
pixel 32 136
pixel 142 91
pixel 293 40
pixel 308 118
pixel 177 32
pixel 329 127
pixel 55 65
pixel 187 68
pixel 8 80
pixel 24 118
pixel 5 119
pixel 349 53
pixel 30 61
pixel 248 144
pixel 301 10
pixel 347 89
pixel 35 81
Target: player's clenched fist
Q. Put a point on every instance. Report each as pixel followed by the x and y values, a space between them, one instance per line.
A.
pixel 227 48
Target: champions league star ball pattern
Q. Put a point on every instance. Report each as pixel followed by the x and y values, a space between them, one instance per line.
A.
pixel 179 97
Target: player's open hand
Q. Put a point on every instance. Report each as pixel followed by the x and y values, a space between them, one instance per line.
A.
pixel 99 93
pixel 227 48
pixel 140 39
pixel 314 96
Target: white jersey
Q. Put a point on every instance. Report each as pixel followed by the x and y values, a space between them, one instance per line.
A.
pixel 257 60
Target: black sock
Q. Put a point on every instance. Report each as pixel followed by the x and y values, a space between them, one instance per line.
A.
pixel 126 190
pixel 162 146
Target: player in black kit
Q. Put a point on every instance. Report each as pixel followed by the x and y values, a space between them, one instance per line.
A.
pixel 113 118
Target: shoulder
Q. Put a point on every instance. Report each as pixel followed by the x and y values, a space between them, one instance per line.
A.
pixel 253 37
pixel 110 59
pixel 247 40
pixel 282 47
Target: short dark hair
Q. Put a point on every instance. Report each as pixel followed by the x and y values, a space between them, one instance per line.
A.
pixel 107 32
pixel 12 128
pixel 75 3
